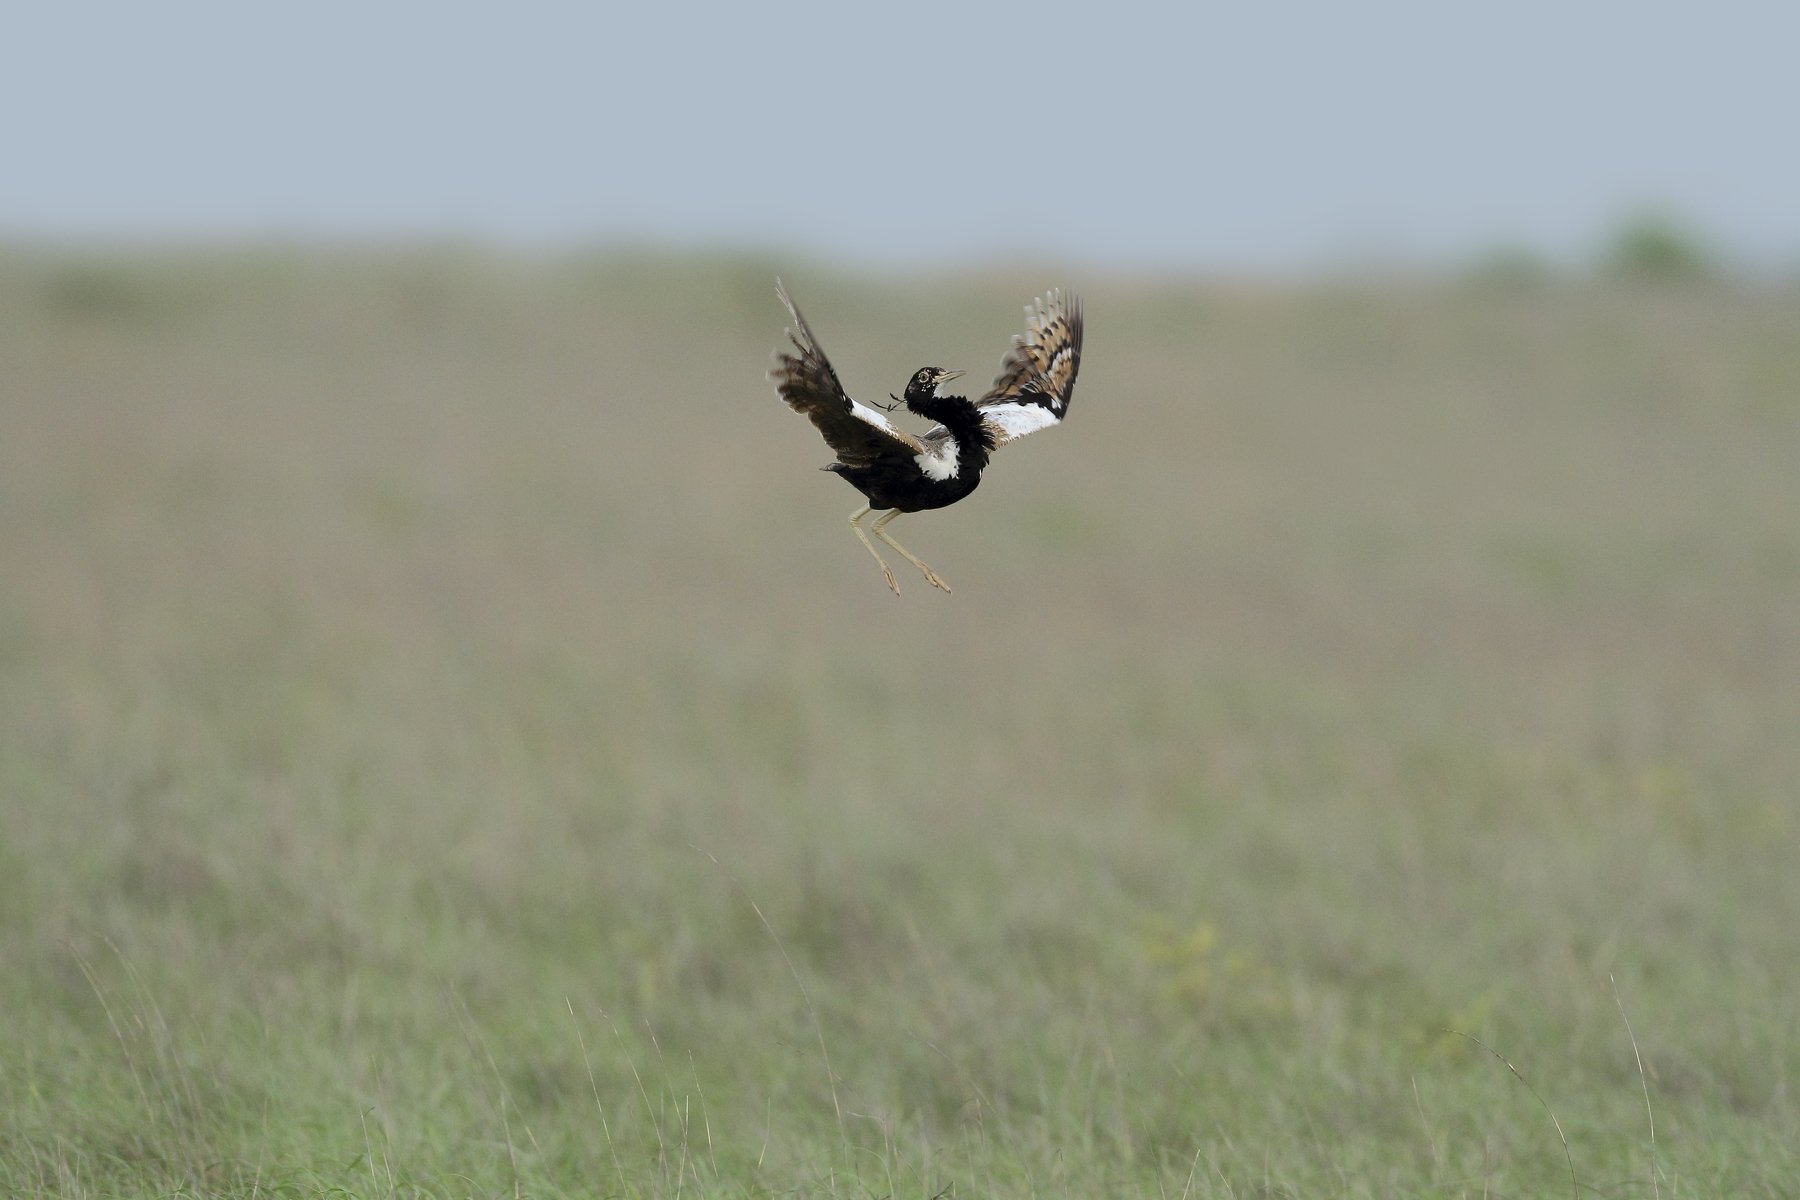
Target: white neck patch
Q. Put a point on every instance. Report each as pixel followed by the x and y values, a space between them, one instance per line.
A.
pixel 940 464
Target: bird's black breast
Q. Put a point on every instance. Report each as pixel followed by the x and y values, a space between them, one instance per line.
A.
pixel 906 488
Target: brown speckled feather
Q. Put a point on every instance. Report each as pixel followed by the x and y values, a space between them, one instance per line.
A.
pixel 1045 358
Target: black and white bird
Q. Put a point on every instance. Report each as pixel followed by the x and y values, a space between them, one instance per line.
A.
pixel 903 473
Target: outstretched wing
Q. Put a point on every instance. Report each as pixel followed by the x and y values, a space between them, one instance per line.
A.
pixel 1037 376
pixel 1043 360
pixel 858 433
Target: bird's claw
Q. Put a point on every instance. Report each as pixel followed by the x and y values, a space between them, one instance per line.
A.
pixel 888 575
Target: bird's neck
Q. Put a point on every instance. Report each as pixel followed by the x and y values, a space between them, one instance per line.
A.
pixel 959 415
pixel 924 400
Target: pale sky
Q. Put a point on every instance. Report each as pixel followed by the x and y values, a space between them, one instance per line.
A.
pixel 1236 135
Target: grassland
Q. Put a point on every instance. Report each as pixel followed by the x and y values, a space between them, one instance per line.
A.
pixel 451 745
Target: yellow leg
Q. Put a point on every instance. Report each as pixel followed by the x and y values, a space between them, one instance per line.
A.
pixel 856 528
pixel 931 576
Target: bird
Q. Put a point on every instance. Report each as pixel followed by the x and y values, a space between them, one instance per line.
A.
pixel 903 473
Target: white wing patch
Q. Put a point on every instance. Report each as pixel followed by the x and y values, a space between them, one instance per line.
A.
pixel 864 413
pixel 1014 421
pixel 940 463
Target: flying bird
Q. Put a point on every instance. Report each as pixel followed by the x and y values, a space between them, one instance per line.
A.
pixel 902 473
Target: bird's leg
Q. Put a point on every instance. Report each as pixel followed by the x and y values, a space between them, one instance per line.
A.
pixel 856 528
pixel 931 576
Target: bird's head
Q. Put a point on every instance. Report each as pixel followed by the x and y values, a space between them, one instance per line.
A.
pixel 922 388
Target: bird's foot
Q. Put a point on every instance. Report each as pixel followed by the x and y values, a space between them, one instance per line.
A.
pixel 888 574
pixel 931 577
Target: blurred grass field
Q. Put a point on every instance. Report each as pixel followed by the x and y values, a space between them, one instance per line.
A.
pixel 451 744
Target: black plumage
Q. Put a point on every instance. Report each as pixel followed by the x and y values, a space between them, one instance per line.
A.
pixel 897 480
pixel 902 473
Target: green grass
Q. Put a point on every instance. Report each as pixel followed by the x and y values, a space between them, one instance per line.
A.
pixel 451 745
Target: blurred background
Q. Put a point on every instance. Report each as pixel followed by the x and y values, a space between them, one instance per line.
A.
pixel 449 740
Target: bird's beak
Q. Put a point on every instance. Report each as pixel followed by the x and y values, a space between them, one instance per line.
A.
pixel 947 376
